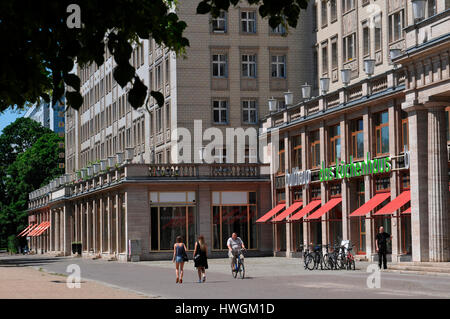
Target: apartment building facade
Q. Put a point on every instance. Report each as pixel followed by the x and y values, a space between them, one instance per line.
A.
pixel 124 194
pixel 371 148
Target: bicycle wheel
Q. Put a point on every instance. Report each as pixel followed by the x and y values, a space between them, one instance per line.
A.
pixel 234 271
pixel 341 262
pixel 352 264
pixel 309 262
pixel 328 262
pixel 241 270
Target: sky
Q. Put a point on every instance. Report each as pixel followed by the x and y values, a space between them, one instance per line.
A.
pixel 9 116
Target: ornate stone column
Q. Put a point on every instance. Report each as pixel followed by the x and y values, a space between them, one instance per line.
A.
pixel 438 192
pixel 287 157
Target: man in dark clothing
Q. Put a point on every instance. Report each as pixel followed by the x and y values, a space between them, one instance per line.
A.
pixel 381 245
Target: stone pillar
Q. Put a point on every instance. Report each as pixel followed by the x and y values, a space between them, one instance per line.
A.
pixel 117 225
pixel 368 194
pixel 418 141
pixel 305 197
pixel 344 184
pixel 393 150
pixel 109 210
pixel 323 189
pixel 287 160
pixel 83 230
pixel 94 225
pixel 51 230
pixel 438 189
pixel 57 231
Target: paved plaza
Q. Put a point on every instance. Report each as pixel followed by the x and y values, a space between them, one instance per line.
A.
pixel 267 278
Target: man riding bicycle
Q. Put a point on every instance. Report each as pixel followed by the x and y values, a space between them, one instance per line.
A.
pixel 235 244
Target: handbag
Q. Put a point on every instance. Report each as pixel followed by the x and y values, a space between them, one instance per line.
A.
pixel 197 255
pixel 185 256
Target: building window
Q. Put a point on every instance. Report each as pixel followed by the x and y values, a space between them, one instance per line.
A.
pixel 249 112
pixel 378 34
pixel 396 23
pixel 366 39
pixel 333 10
pixel 447 117
pixel 249 65
pixel 314 17
pixel 219 62
pixel 349 47
pixel 335 144
pixel 357 139
pixel 220 154
pixel 281 156
pixel 324 13
pixel 220 111
pixel 168 222
pixel 248 21
pixel 315 69
pixel 382 133
pixel 347 5
pixel 280 29
pixel 158 76
pixel 405 132
pixel 219 24
pixel 159 120
pixel 278 66
pixel 324 58
pixel 297 151
pixel 228 219
pixel 431 8
pixel 315 149
pixel 334 54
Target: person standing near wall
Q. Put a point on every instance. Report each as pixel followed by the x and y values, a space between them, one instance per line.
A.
pixel 381 246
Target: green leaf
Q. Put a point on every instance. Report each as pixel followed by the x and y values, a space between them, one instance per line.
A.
pixel 73 81
pixel 137 95
pixel 159 97
pixel 74 99
pixel 203 7
pixel 123 73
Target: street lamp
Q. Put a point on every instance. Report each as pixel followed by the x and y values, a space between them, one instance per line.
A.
pixel 306 91
pixel 393 54
pixel 288 98
pixel 324 85
pixel 272 105
pixel 369 66
pixel 345 75
pixel 418 8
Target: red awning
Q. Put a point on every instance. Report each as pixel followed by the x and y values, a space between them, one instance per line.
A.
pixel 408 211
pixel 305 210
pixel 271 213
pixel 395 204
pixel 25 230
pixel 325 208
pixel 43 229
pixel 288 212
pixel 371 204
pixel 33 226
pixel 36 229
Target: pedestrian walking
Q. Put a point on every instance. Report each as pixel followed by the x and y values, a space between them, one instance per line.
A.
pixel 201 258
pixel 381 246
pixel 179 258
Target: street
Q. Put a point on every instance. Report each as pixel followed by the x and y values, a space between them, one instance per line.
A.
pixel 266 278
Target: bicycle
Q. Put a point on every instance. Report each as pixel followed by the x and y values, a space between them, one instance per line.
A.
pixel 308 257
pixel 238 264
pixel 327 259
pixel 350 259
pixel 318 257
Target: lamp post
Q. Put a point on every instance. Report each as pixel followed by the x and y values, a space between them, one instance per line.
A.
pixel 345 76
pixel 288 98
pixel 306 91
pixel 394 53
pixel 418 8
pixel 324 85
pixel 272 105
pixel 369 66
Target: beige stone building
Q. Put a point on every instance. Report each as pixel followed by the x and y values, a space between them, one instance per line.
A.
pixel 382 91
pixel 124 195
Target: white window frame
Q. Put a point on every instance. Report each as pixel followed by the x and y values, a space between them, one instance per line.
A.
pixel 248 23
pixel 218 60
pixel 248 65
pixel 346 46
pixel 396 26
pixel 220 106
pixel 280 66
pixel 217 22
pixel 249 107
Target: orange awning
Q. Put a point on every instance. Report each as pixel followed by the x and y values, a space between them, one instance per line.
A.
pixel 37 229
pixel 25 230
pixel 325 208
pixel 33 226
pixel 271 213
pixel 305 210
pixel 43 229
pixel 408 211
pixel 371 204
pixel 395 204
pixel 288 212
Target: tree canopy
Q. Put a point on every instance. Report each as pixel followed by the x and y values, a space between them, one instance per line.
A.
pixel 33 163
pixel 39 48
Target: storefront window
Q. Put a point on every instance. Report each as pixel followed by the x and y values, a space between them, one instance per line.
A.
pixel 335 144
pixel 316 227
pixel 235 218
pixel 382 184
pixel 360 200
pixel 168 222
pixel 357 139
pixel 315 149
pixel 405 218
pixel 297 151
pixel 105 242
pixel 382 133
pixel 297 194
pixel 123 219
pixel 447 113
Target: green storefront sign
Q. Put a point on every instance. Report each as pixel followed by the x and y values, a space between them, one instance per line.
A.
pixel 355 169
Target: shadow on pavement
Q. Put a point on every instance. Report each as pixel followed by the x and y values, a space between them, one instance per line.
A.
pixel 24 262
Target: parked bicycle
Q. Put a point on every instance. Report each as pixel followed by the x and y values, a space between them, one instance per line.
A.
pixel 340 257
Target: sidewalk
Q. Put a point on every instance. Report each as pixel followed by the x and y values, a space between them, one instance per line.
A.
pixel 30 283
